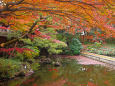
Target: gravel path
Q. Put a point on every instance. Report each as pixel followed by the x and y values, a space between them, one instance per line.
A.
pixel 88 61
pixel 85 61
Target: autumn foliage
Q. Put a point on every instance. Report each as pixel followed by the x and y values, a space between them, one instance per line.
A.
pixel 75 14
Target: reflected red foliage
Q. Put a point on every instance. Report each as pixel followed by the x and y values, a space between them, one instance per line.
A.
pixel 17 85
pixel 107 83
pixel 28 81
pixel 35 84
pixel 53 69
pixel 105 72
pixel 91 84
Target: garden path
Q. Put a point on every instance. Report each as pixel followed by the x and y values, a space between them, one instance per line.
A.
pixel 90 61
pixel 86 61
pixel 101 58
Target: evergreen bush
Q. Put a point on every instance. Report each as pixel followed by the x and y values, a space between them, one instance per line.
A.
pixel 74 47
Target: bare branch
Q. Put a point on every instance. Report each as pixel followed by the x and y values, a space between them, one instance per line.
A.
pixel 34 24
pixel 14 3
pixel 89 4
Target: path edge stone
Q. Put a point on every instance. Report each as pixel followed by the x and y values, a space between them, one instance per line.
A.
pixel 108 60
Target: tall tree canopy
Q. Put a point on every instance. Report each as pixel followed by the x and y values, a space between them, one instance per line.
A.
pixel 82 14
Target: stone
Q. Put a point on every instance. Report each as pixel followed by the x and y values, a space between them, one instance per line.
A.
pixel 57 64
pixel 46 61
pixel 21 74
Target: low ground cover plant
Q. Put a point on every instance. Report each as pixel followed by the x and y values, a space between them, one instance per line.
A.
pixel 101 49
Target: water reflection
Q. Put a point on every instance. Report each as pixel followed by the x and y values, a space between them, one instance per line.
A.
pixel 69 74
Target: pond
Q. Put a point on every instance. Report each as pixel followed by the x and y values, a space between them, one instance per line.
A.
pixel 70 73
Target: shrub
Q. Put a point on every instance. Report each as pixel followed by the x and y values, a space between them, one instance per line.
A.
pixel 30 54
pixel 106 51
pixel 74 47
pixel 96 45
pixel 110 40
pixel 28 44
pixel 9 68
pixel 110 51
pixel 72 40
pixel 35 65
pixel 25 55
pixel 52 46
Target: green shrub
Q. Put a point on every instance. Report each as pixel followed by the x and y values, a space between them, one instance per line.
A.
pixel 74 47
pixel 30 54
pixel 96 45
pixel 49 32
pixel 106 51
pixel 50 45
pixel 35 65
pixel 102 51
pixel 110 40
pixel 27 55
pixel 9 68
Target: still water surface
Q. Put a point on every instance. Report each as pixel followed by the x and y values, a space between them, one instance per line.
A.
pixel 69 74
